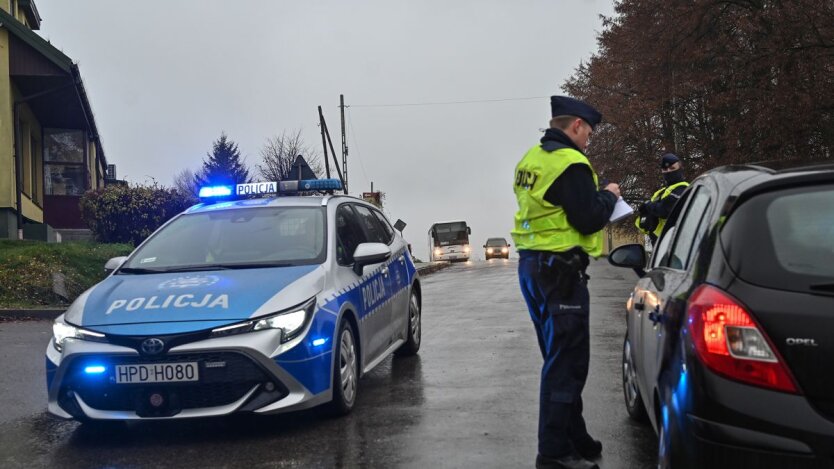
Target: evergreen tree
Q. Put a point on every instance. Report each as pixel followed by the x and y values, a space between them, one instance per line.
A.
pixel 223 166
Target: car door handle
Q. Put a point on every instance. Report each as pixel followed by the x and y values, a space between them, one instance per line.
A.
pixel 640 306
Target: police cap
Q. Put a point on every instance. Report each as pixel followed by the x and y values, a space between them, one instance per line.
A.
pixel 668 160
pixel 567 106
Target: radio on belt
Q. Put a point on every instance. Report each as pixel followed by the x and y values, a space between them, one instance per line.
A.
pixel 268 187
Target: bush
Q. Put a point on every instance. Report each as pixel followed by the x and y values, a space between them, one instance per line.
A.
pixel 129 214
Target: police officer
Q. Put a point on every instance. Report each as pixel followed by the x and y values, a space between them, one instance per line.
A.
pixel 558 225
pixel 653 213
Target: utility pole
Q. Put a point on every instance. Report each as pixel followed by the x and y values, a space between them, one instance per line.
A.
pixel 324 143
pixel 344 142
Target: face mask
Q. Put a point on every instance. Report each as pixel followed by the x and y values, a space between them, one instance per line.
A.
pixel 673 177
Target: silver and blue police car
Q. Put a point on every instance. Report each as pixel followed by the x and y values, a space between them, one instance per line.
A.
pixel 263 305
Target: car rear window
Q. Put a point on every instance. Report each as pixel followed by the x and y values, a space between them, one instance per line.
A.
pixel 784 239
pixel 802 227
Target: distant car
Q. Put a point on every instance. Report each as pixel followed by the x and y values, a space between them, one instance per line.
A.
pixel 497 247
pixel 730 343
pixel 262 305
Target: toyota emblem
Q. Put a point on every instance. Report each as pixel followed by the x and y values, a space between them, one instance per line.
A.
pixel 152 346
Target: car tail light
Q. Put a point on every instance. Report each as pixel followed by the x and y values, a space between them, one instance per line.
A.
pixel 729 342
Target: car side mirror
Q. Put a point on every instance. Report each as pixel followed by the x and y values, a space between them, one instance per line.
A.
pixel 369 253
pixel 113 264
pixel 484 246
pixel 468 230
pixel 630 255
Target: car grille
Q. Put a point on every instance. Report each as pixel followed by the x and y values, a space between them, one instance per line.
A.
pixel 217 386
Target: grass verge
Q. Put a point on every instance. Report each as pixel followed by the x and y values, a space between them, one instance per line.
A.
pixel 28 270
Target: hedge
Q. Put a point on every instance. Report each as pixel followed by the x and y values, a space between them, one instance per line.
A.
pixel 129 214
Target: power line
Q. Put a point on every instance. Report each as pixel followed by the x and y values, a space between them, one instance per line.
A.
pixel 446 103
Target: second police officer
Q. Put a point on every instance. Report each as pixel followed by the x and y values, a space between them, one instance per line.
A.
pixel 653 213
pixel 561 213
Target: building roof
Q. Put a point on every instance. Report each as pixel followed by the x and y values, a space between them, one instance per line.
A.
pixel 60 60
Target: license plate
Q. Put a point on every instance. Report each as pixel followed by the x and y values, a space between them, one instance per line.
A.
pixel 157 373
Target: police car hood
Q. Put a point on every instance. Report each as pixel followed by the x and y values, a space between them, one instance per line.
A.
pixel 183 302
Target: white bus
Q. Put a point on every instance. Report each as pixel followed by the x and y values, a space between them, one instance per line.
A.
pixel 449 241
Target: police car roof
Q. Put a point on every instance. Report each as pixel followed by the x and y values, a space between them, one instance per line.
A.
pixel 273 201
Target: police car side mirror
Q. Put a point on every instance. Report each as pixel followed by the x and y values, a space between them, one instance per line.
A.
pixel 113 264
pixel 369 253
pixel 632 256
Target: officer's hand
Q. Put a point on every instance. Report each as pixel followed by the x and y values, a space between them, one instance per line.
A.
pixel 613 188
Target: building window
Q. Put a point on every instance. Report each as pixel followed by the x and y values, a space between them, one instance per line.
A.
pixel 26 160
pixel 34 159
pixel 64 169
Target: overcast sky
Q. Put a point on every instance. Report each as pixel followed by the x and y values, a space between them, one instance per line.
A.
pixel 165 78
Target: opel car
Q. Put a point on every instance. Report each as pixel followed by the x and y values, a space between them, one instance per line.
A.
pixel 730 345
pixel 262 305
pixel 496 247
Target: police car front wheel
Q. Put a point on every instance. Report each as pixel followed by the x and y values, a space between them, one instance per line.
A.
pixel 412 343
pixel 345 372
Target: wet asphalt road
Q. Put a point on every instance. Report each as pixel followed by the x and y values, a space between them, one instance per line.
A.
pixel 468 400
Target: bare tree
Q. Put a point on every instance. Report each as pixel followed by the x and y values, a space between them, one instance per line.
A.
pixel 717 82
pixel 279 154
pixel 185 183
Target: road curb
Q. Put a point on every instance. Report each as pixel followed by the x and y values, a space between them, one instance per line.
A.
pixel 432 267
pixel 36 314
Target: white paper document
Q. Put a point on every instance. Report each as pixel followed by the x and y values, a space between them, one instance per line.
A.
pixel 621 210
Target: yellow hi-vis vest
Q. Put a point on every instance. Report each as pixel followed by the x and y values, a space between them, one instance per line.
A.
pixel 540 225
pixel 660 194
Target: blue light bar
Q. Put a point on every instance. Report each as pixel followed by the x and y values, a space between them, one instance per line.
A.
pixel 318 342
pixel 266 188
pixel 94 370
pixel 310 185
pixel 215 191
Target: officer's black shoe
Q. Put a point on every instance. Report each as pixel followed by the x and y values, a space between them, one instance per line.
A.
pixel 589 449
pixel 568 462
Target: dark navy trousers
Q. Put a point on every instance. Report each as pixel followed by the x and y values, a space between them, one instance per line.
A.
pixel 564 339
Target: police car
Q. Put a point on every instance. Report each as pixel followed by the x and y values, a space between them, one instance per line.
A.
pixel 262 305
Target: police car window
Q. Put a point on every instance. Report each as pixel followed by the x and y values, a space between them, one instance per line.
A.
pixel 688 230
pixel 236 238
pixel 349 234
pixel 372 226
pixel 389 231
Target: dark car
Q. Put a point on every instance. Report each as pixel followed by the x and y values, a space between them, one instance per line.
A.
pixel 497 247
pixel 730 345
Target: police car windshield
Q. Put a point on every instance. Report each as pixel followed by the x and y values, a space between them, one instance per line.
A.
pixel 236 238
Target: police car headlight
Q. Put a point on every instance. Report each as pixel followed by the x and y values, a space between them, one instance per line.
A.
pixel 62 331
pixel 290 322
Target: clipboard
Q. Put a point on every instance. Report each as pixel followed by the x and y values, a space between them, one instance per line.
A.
pixel 621 210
